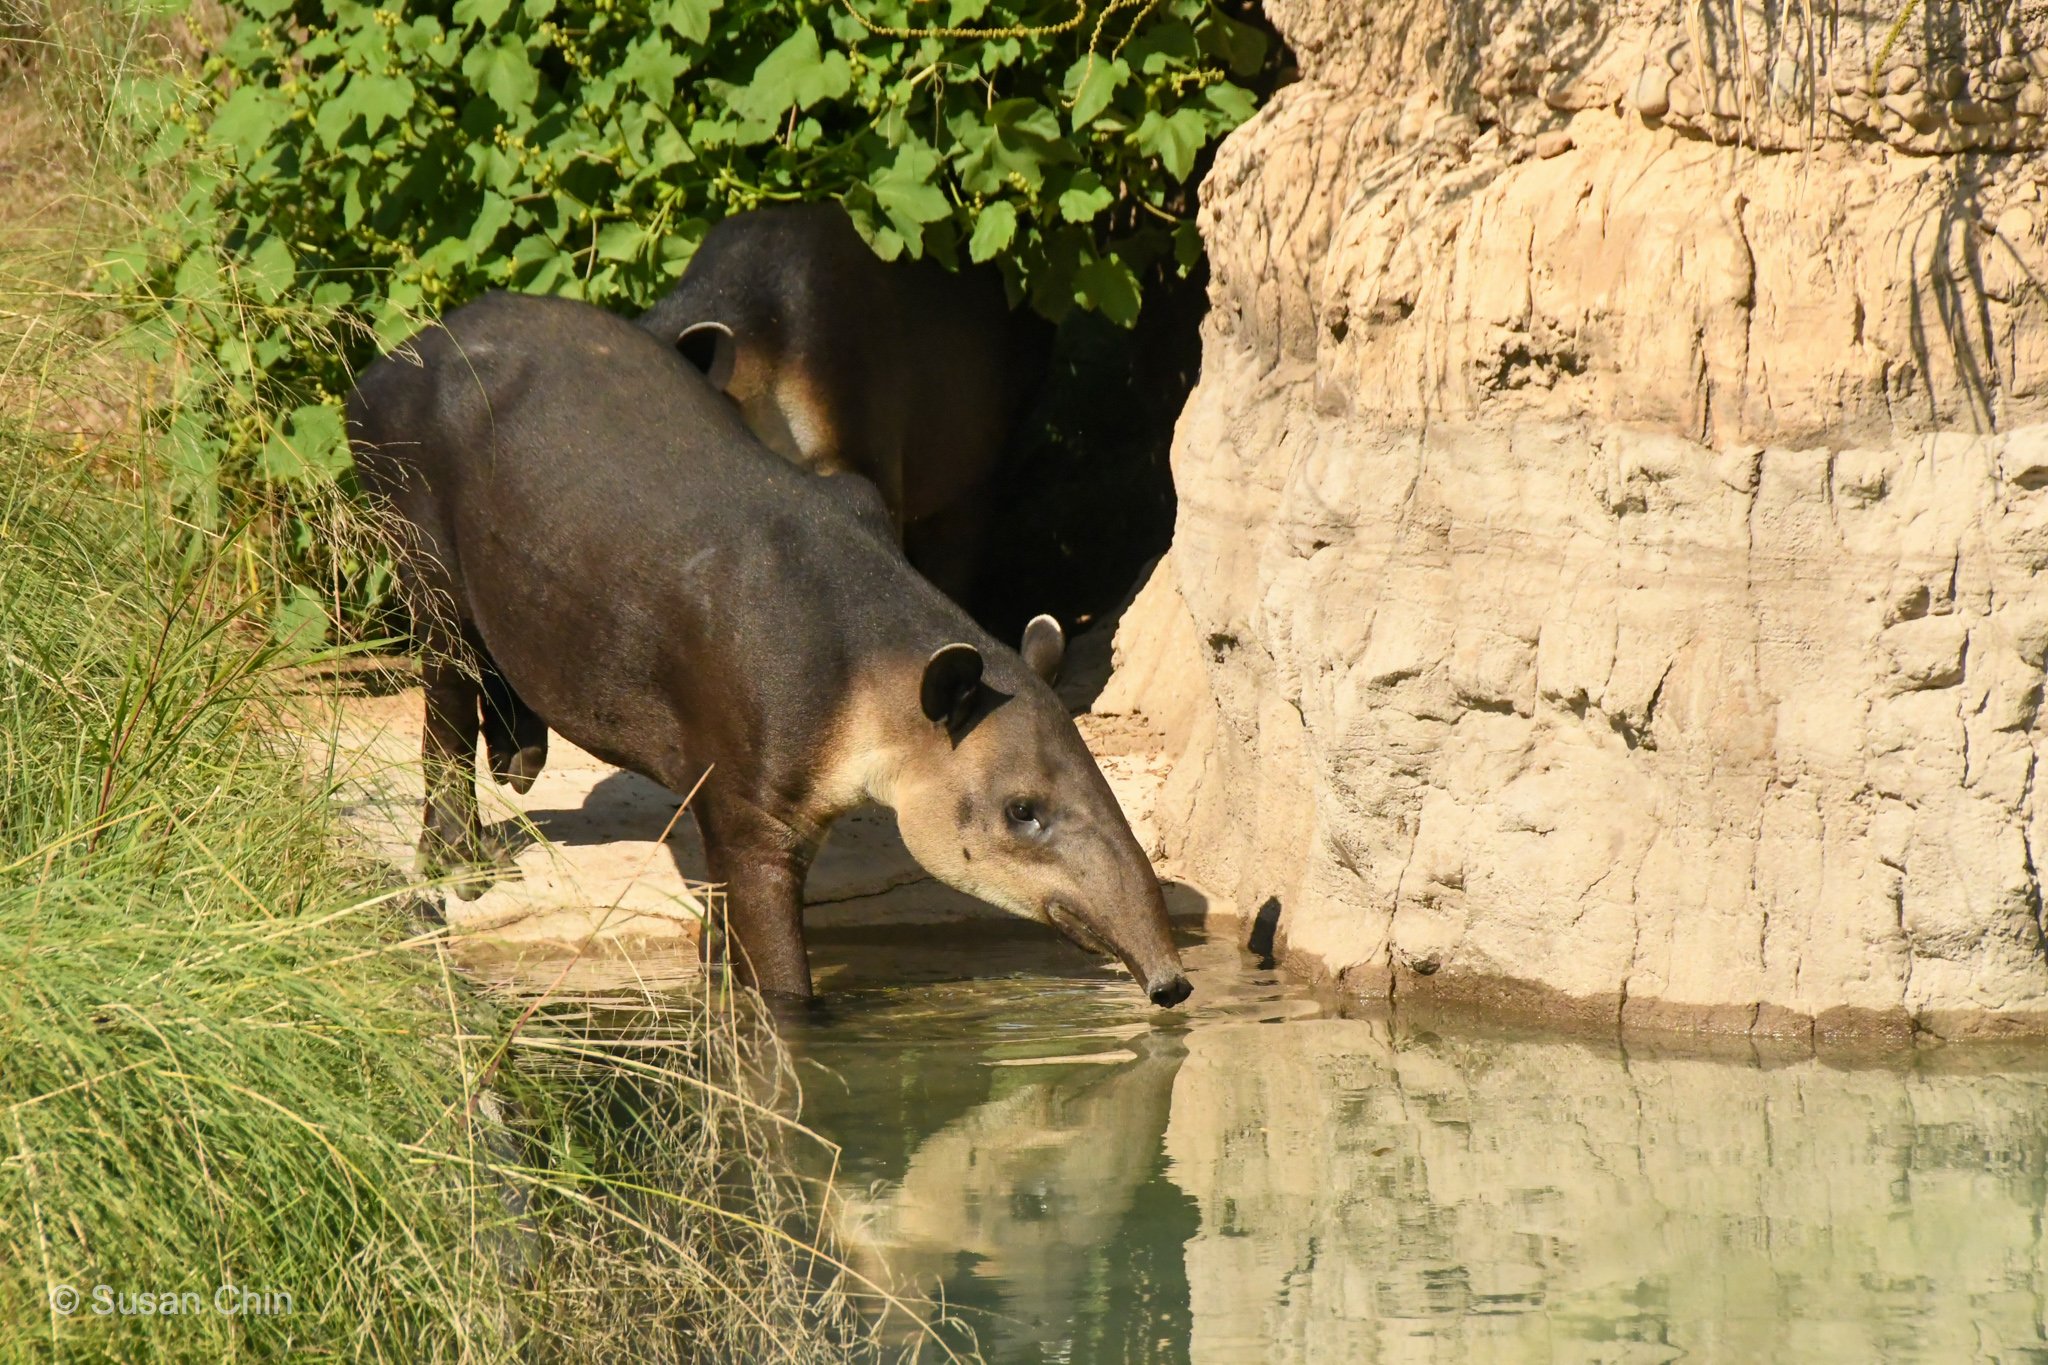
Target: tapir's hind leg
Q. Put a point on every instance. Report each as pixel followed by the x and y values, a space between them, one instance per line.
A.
pixel 450 835
pixel 515 738
pixel 763 915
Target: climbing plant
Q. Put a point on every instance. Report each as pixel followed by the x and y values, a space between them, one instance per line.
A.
pixel 353 168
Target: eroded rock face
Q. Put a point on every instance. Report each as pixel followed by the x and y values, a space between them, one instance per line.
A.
pixel 1606 574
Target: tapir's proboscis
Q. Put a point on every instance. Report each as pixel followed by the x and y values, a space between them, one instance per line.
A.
pixel 903 372
pixel 603 548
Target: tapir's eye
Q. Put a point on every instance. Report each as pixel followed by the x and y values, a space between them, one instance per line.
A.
pixel 1023 814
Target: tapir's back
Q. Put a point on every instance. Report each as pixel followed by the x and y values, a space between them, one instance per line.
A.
pixel 594 496
pixel 513 385
pixel 903 371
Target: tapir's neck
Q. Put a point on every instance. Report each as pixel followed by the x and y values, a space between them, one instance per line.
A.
pixel 869 748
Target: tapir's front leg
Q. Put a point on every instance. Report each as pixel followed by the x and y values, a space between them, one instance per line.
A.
pixel 449 836
pixel 763 871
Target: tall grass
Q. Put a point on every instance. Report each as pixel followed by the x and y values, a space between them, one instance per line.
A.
pixel 229 1065
pixel 223 1062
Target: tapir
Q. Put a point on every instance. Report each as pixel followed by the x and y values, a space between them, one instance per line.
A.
pixel 598 544
pixel 906 373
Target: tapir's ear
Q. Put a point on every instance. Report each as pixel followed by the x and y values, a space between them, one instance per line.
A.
pixel 952 678
pixel 1044 647
pixel 710 347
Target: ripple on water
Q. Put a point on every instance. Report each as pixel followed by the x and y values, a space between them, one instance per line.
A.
pixel 1258 1178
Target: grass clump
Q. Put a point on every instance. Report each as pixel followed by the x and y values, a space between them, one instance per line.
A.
pixel 224 1068
pixel 233 1077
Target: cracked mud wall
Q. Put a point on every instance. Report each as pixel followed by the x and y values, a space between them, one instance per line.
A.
pixel 1606 579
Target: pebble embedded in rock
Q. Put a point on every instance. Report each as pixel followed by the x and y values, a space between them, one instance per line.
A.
pixel 1915 109
pixel 1650 94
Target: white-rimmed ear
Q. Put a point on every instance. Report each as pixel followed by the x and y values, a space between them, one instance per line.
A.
pixel 1044 648
pixel 710 347
pixel 952 681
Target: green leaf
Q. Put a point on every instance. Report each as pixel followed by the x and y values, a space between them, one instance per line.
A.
pixel 311 447
pixel 269 270
pixel 1161 48
pixel 1092 83
pixel 1020 138
pixel 795 73
pixel 1107 285
pixel 193 451
pixel 491 219
pixel 1085 197
pixel 1174 140
pixel 126 269
pixel 198 279
pixel 485 12
pixel 233 353
pixel 379 99
pixel 247 120
pixel 689 19
pixel 882 238
pixel 620 241
pixel 502 71
pixel 1236 105
pixel 652 66
pixel 331 121
pixel 1242 47
pixel 906 194
pixel 994 229
pixel 301 619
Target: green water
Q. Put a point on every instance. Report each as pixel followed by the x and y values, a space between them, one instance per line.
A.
pixel 1257 1178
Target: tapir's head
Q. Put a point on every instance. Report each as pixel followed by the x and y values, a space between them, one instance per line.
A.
pixel 999 798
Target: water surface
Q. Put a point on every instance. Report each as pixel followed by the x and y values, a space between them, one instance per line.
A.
pixel 1256 1178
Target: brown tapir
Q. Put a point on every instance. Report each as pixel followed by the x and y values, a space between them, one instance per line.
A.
pixel 611 551
pixel 901 371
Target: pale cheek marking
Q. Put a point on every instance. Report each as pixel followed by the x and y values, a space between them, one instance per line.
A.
pixel 803 417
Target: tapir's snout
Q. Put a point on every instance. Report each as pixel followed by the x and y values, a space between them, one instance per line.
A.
pixel 1170 992
pixel 1165 983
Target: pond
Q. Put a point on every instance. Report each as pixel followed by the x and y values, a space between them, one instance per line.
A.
pixel 1258 1177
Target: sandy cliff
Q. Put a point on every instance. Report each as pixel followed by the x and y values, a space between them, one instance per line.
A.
pixel 1606 571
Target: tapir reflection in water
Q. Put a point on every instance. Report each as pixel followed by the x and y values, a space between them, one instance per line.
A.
pixel 601 547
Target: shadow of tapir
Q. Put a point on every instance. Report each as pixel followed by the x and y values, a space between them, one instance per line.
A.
pixel 602 547
pixel 906 373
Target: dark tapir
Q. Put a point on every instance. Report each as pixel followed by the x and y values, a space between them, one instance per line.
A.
pixel 903 372
pixel 611 551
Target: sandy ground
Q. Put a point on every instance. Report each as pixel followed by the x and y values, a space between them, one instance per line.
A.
pixel 593 877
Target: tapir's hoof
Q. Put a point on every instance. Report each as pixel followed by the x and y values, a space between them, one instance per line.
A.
pixel 423 910
pixel 470 887
pixel 520 769
pixel 468 873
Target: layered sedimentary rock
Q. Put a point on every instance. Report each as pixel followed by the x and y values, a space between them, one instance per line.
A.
pixel 1606 577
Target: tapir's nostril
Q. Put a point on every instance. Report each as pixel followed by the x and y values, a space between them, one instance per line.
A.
pixel 1168 994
